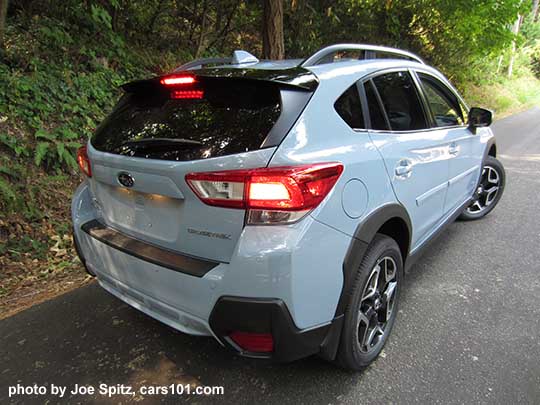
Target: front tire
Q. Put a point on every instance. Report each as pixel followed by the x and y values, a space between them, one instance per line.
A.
pixel 372 307
pixel 489 190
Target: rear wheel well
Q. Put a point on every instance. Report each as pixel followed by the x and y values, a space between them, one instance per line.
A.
pixel 397 229
pixel 493 151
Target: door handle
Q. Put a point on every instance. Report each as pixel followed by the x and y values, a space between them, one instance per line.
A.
pixel 453 149
pixel 404 169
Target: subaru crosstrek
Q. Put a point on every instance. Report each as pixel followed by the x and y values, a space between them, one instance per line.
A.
pixel 275 205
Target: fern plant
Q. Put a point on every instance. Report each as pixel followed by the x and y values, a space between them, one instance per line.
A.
pixel 56 150
pixel 9 197
pixel 15 145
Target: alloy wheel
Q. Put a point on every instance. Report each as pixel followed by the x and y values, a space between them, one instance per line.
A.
pixel 377 303
pixel 486 192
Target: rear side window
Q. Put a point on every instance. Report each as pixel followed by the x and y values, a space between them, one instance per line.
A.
pixel 349 108
pixel 234 116
pixel 443 104
pixel 401 102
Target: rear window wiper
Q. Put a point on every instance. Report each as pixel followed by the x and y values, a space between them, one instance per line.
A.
pixel 151 143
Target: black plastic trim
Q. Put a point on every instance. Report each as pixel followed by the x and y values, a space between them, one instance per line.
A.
pixel 297 77
pixel 267 315
pixel 363 235
pixel 293 103
pixel 148 252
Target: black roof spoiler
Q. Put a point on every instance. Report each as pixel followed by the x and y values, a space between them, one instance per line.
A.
pixel 296 77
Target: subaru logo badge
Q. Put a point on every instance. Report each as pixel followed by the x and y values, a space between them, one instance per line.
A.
pixel 126 179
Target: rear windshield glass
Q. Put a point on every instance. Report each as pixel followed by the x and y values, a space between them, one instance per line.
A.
pixel 234 116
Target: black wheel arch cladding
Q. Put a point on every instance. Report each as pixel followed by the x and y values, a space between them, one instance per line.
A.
pixel 364 234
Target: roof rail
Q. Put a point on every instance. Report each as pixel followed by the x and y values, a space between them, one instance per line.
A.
pixel 371 51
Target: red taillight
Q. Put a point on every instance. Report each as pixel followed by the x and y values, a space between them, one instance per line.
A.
pixel 273 195
pixel 254 342
pixel 176 80
pixel 83 161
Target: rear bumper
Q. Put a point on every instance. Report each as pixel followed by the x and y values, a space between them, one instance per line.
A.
pixel 285 276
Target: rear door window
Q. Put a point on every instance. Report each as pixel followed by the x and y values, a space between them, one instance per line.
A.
pixel 376 114
pixel 233 116
pixel 401 101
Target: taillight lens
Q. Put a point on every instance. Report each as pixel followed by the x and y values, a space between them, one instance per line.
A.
pixel 83 161
pixel 271 195
pixel 253 342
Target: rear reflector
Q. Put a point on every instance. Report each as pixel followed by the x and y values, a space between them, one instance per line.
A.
pixel 253 342
pixel 83 161
pixel 276 194
pixel 187 94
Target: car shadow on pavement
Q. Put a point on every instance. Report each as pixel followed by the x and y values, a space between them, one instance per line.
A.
pixel 88 337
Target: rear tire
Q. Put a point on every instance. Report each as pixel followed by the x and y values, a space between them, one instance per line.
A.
pixel 372 305
pixel 488 192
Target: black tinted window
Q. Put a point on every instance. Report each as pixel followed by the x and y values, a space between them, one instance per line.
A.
pixel 375 113
pixel 234 116
pixel 401 101
pixel 442 102
pixel 349 108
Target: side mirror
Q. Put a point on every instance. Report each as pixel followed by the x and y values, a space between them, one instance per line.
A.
pixel 479 117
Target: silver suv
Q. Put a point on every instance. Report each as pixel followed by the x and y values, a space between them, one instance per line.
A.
pixel 274 205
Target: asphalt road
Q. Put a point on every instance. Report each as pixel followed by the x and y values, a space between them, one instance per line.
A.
pixel 468 330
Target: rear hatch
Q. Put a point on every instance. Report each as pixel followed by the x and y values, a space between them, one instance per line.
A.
pixel 223 119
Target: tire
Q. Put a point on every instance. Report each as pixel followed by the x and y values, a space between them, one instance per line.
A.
pixel 485 200
pixel 356 350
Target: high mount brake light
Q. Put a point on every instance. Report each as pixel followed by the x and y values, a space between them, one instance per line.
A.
pixel 176 80
pixel 83 161
pixel 271 195
pixel 182 86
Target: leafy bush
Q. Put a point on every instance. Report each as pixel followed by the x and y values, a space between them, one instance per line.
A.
pixel 60 78
pixel 534 54
pixel 56 149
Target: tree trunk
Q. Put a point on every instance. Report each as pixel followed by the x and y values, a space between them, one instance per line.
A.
pixel 499 64
pixel 273 41
pixel 535 10
pixel 203 31
pixel 515 30
pixel 3 16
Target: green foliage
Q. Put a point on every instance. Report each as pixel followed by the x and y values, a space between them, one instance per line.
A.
pixel 14 144
pixel 17 247
pixel 10 174
pixel 61 77
pixel 56 149
pixel 63 61
pixel 505 96
pixel 448 34
pixel 534 54
pixel 8 196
